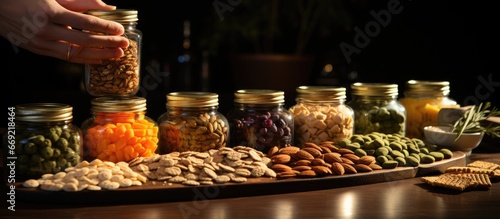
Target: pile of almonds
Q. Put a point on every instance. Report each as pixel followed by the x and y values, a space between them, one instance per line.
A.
pixel 315 160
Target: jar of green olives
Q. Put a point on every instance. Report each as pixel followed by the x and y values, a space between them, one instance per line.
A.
pixel 259 120
pixel 46 139
pixel 376 109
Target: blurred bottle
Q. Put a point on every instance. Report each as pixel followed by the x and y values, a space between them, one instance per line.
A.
pixel 186 62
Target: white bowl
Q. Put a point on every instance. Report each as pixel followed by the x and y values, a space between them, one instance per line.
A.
pixel 442 136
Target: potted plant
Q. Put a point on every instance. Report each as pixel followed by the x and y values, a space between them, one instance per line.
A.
pixel 268 43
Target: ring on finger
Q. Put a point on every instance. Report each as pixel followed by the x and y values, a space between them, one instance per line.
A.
pixel 68 53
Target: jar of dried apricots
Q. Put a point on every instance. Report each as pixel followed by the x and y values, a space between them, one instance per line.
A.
pixel 259 120
pixel 119 130
pixel 45 139
pixel 321 115
pixel 192 122
pixel 423 100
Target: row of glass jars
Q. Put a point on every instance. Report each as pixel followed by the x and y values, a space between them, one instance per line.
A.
pixel 119 130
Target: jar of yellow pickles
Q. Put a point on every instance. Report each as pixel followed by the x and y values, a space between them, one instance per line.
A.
pixel 423 100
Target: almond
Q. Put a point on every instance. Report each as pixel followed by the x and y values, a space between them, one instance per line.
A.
pixel 289 150
pixel 302 163
pixel 286 174
pixel 349 168
pixel 375 166
pixel 337 168
pixel 307 173
pixel 362 167
pixel 301 168
pixel 367 159
pixel 312 145
pixel 321 170
pixel 302 154
pixel 332 157
pixel 345 151
pixel 325 149
pixel 330 146
pixel 354 158
pixel 317 161
pixel 347 161
pixel 280 167
pixel 272 151
pixel 313 151
pixel 281 158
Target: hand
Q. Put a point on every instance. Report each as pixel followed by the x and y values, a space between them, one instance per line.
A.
pixel 53 28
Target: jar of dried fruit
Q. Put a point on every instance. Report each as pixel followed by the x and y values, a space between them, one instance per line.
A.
pixel 119 130
pixel 321 115
pixel 120 76
pixel 423 100
pixel 376 109
pixel 46 141
pixel 192 122
pixel 259 120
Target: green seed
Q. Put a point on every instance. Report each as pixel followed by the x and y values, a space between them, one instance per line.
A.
pixel 390 164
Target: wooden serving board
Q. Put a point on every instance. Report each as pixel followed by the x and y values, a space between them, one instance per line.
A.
pixel 156 191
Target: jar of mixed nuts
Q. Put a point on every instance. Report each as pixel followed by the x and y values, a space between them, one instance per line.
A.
pixel 192 123
pixel 259 120
pixel 376 109
pixel 46 141
pixel 119 130
pixel 423 100
pixel 321 115
pixel 117 76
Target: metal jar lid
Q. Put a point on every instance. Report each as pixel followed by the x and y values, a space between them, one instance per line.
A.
pixel 374 89
pixel 259 96
pixel 43 112
pixel 118 15
pixel 118 104
pixel 320 93
pixel 427 88
pixel 192 99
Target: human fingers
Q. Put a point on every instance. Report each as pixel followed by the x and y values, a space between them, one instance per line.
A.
pixel 88 23
pixel 83 38
pixel 84 5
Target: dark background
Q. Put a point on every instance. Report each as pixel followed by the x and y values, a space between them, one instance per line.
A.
pixel 453 41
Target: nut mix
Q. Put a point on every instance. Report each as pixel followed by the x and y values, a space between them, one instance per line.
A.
pixel 192 133
pixel 117 76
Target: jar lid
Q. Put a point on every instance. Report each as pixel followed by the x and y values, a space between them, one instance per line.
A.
pixel 192 99
pixel 118 104
pixel 374 89
pixel 417 87
pixel 118 15
pixel 43 112
pixel 320 93
pixel 259 96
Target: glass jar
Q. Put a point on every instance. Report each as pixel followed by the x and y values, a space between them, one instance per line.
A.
pixel 259 120
pixel 117 76
pixel 46 139
pixel 321 115
pixel 119 130
pixel 423 100
pixel 192 122
pixel 376 109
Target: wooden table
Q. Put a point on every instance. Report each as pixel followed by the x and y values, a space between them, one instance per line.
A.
pixel 408 198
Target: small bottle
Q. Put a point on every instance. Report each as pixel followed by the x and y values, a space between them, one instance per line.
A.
pixel 119 130
pixel 192 122
pixel 117 76
pixel 321 115
pixel 259 120
pixel 376 109
pixel 423 100
pixel 46 139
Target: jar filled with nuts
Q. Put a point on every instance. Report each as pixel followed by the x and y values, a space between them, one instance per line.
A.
pixel 423 100
pixel 192 123
pixel 46 141
pixel 117 76
pixel 119 130
pixel 376 109
pixel 259 120
pixel 321 115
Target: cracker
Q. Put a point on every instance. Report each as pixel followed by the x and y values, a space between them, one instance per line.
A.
pixel 484 165
pixel 468 170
